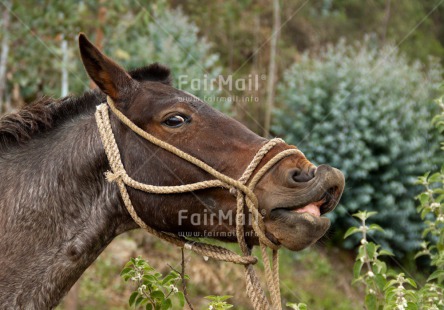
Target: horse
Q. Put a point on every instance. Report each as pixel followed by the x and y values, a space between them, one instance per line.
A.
pixel 59 211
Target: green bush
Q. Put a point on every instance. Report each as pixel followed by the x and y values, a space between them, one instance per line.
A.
pixel 384 287
pixel 367 112
pixel 153 290
pixel 166 36
pixel 136 34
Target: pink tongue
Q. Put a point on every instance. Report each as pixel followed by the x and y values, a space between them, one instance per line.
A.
pixel 311 208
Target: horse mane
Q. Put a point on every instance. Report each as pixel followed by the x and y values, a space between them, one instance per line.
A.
pixel 46 113
pixel 154 72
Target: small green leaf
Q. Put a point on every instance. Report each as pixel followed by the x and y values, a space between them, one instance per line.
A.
pixel 436 275
pixel 166 304
pixel 302 306
pixel 126 277
pixel 371 250
pixel 150 278
pixel 436 177
pixel 351 231
pixel 411 282
pixel 386 252
pixel 126 270
pixel 371 302
pixel 181 298
pixel 423 198
pixel 376 227
pixel 363 215
pixel 224 297
pixel 168 278
pixel 158 295
pixel 138 301
pixel 294 306
pixel 380 281
pixel 357 268
pixel 132 298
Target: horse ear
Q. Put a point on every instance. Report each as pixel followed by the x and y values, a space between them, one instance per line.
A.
pixel 112 79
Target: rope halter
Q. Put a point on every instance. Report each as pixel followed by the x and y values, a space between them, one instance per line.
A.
pixel 243 192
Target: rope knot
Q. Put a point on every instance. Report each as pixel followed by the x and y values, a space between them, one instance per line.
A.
pixel 233 191
pixel 114 176
pixel 101 107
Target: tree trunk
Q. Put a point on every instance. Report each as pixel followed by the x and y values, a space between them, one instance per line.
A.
pixel 64 48
pixel 101 17
pixel 5 51
pixel 272 67
pixel 386 20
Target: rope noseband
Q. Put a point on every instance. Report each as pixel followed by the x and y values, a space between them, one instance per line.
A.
pixel 243 192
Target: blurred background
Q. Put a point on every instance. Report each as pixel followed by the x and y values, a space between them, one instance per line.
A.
pixel 351 83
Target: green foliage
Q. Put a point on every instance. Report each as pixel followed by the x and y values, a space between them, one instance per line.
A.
pixel 438 120
pixel 153 290
pixel 166 36
pixel 219 302
pixel 386 289
pixel 136 34
pixel 35 38
pixel 388 20
pixel 299 306
pixel 431 209
pixel 361 110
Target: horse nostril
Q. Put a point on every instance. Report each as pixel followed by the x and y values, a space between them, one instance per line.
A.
pixel 299 175
pixel 296 173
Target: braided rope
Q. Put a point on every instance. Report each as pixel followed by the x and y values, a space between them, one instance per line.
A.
pixel 245 197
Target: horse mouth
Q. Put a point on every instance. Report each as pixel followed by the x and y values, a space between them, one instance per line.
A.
pixel 299 225
pixel 325 204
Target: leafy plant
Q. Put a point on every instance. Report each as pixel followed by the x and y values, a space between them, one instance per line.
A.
pixel 387 289
pixel 358 107
pixel 431 209
pixel 189 56
pixel 153 290
pixel 218 302
pixel 299 306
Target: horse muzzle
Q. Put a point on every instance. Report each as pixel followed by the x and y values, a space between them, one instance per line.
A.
pixel 296 218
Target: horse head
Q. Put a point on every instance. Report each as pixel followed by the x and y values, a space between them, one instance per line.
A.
pixel 292 195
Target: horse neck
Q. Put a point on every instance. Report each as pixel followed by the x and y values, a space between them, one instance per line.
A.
pixel 57 213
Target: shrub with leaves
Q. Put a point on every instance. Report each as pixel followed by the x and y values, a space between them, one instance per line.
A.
pixel 385 288
pixel 365 110
pixel 153 291
pixel 164 35
pixel 219 302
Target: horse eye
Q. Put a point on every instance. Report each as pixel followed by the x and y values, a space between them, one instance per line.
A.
pixel 175 121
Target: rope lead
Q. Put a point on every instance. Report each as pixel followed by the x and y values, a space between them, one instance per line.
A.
pixel 244 195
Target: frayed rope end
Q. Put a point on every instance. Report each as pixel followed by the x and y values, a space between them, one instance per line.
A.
pixel 113 176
